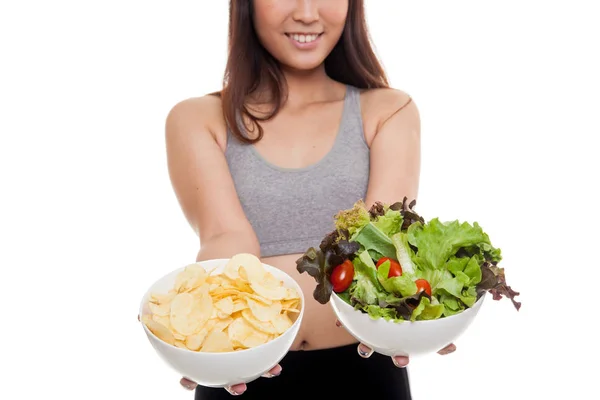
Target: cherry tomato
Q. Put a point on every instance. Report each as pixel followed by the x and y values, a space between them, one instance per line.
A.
pixel 422 284
pixel 341 276
pixel 395 268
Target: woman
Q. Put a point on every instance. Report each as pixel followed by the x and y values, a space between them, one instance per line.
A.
pixel 305 126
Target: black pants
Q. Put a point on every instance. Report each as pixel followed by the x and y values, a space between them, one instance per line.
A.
pixel 326 374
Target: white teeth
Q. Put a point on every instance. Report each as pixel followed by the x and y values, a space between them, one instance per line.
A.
pixel 304 38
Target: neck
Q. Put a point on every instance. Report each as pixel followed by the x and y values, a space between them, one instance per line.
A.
pixel 307 86
pixel 303 87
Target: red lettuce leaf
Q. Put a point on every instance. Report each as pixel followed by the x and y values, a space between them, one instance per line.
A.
pixel 408 214
pixel 405 306
pixel 377 210
pixel 319 263
pixel 493 280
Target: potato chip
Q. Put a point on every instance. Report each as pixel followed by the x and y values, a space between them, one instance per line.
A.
pixel 165 321
pixel 239 305
pixel 270 292
pixel 189 313
pixel 217 314
pixel 193 276
pixel 264 312
pixel 217 341
pixel 160 331
pixel 269 287
pixel 292 294
pixel 243 286
pixel 282 323
pixel 242 332
pixel 193 342
pixel 252 272
pixel 161 304
pixel 225 305
pixel 222 324
pixel 256 297
pixel 242 307
pixel 291 305
pixel 221 292
pixel 248 261
pixel 263 326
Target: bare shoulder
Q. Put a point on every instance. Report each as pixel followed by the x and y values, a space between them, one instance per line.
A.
pixel 199 171
pixel 380 105
pixel 197 116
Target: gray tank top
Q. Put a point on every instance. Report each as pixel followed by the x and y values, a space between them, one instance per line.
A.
pixel 293 209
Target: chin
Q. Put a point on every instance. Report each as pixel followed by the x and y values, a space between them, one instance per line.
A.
pixel 303 64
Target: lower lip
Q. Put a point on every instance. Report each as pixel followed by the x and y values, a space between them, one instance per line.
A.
pixel 305 45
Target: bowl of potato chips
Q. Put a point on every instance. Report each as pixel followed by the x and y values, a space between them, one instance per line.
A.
pixel 223 322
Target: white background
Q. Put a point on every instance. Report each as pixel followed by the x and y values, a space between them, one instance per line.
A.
pixel 508 94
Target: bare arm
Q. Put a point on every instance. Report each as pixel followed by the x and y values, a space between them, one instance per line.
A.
pixel 204 188
pixel 395 142
pixel 227 245
pixel 202 183
pixel 395 150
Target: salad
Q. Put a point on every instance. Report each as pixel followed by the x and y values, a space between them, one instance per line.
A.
pixel 389 263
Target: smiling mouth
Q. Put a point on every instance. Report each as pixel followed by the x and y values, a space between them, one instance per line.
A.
pixel 304 37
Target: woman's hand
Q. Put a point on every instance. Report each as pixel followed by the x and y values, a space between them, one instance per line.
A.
pixel 235 389
pixel 399 361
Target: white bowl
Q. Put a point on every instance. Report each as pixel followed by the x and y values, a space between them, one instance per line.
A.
pixel 405 338
pixel 223 369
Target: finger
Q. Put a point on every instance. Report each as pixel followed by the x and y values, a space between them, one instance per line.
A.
pixel 400 361
pixel 189 385
pixel 236 390
pixel 275 371
pixel 364 351
pixel 338 323
pixel 138 317
pixel 451 348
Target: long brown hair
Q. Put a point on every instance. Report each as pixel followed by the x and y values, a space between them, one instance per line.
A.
pixel 250 66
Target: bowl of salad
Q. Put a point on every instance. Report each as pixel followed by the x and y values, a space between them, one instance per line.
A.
pixel 403 285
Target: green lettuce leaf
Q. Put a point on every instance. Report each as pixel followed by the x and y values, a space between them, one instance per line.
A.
pixel 390 223
pixel 364 265
pixel 437 241
pixel 404 253
pixel 452 305
pixel 363 291
pixel 370 295
pixel 377 312
pixel 377 243
pixel 435 277
pixel 466 267
pixel 366 288
pixel 402 285
pixel 426 310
